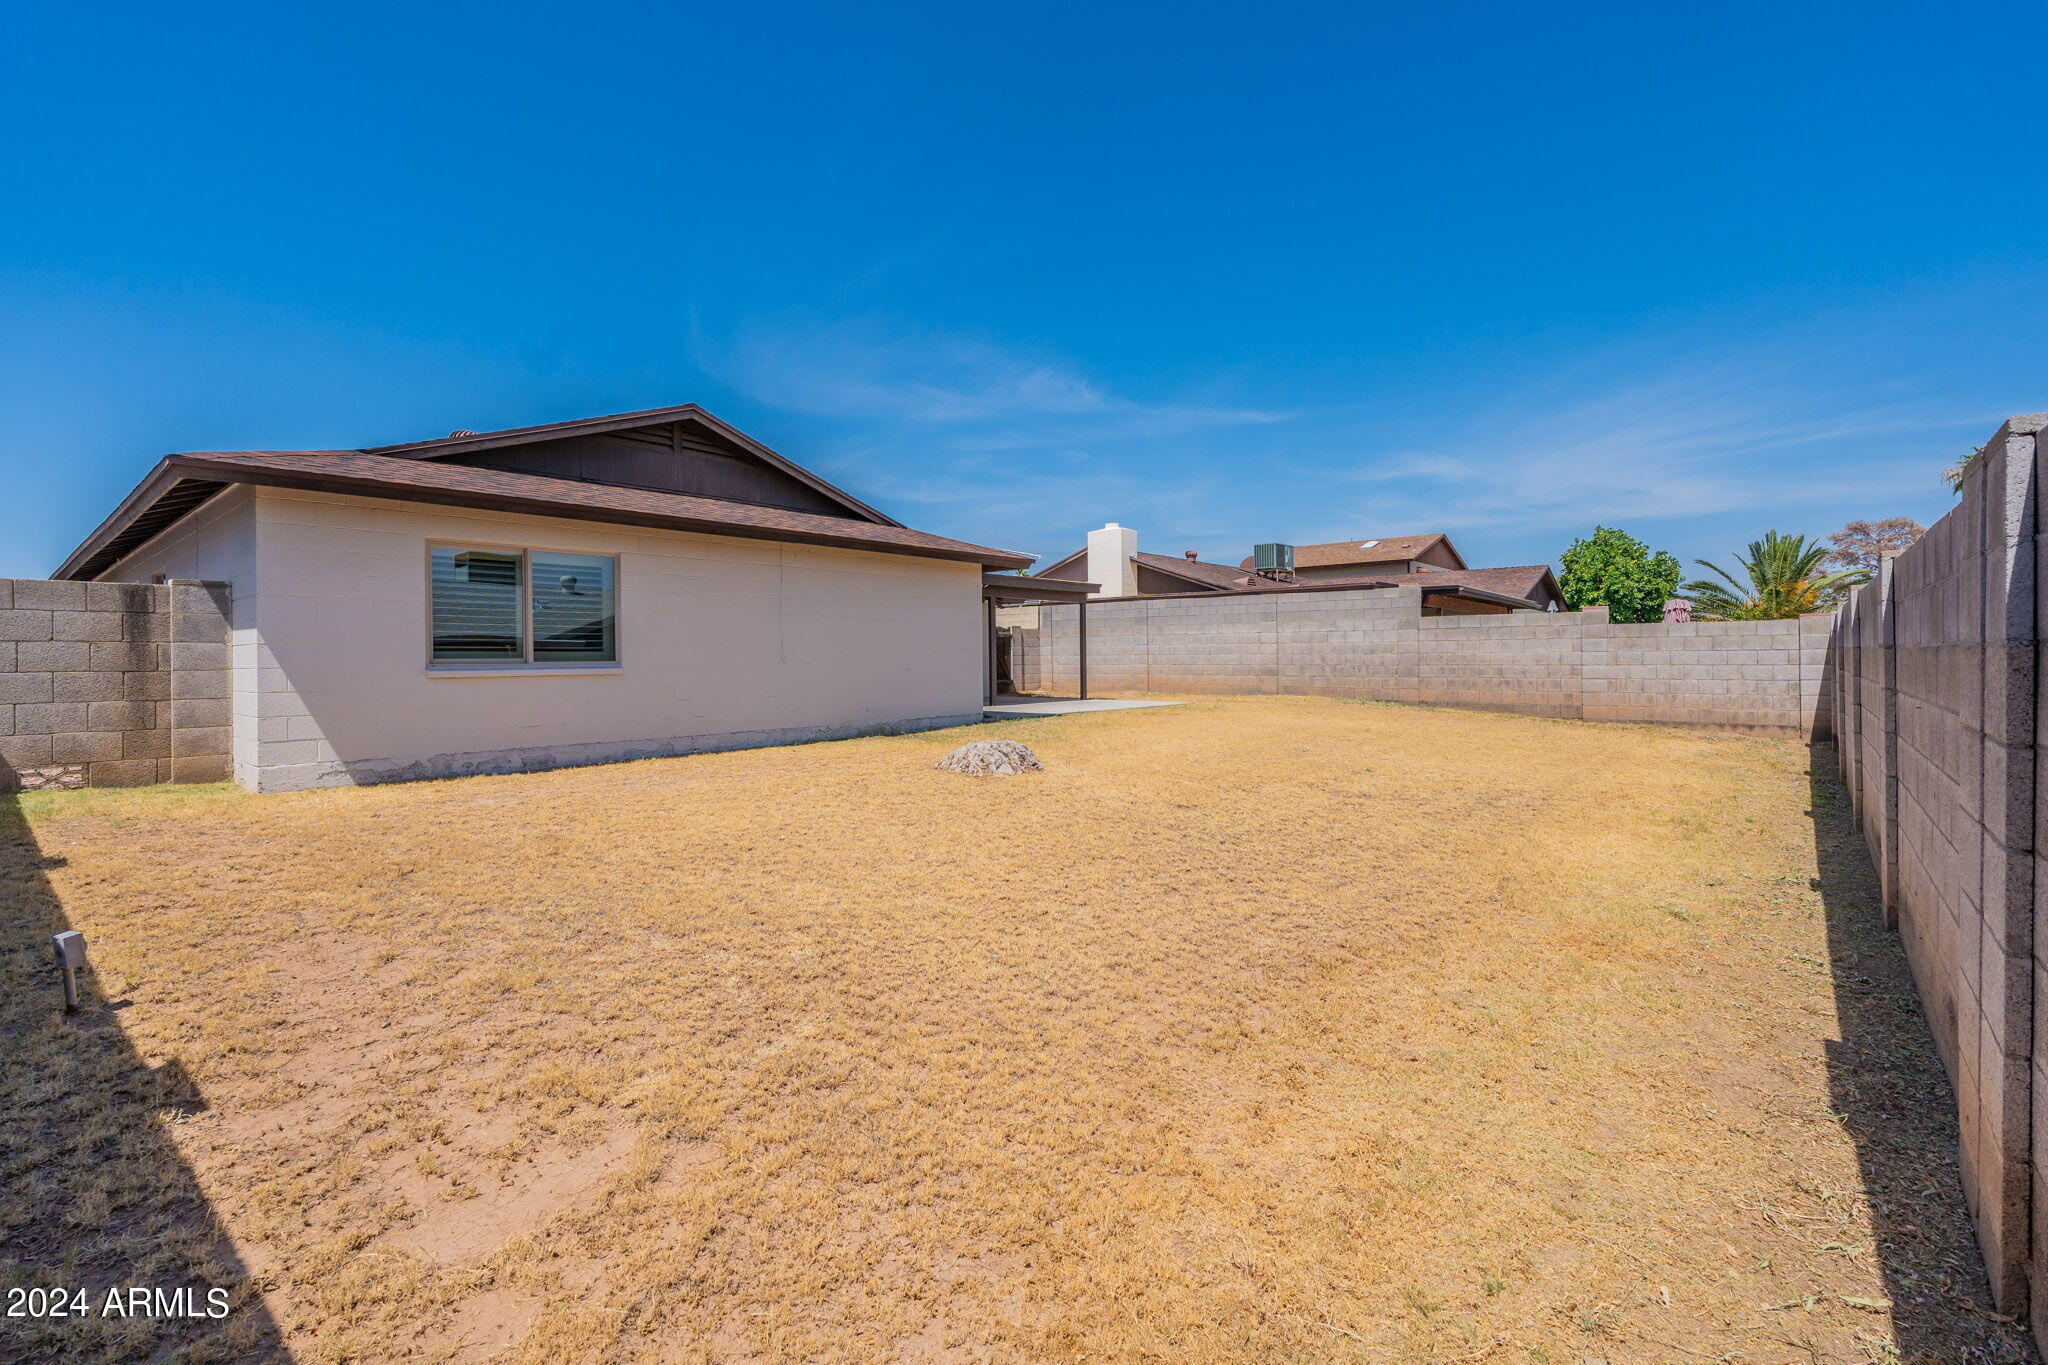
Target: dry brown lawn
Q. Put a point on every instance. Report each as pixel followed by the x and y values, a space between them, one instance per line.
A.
pixel 1252 1030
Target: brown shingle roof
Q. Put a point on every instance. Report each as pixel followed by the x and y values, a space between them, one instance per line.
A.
pixel 413 480
pixel 1217 575
pixel 1364 550
pixel 1194 570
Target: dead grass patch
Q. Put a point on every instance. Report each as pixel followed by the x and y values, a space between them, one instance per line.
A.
pixel 1255 1029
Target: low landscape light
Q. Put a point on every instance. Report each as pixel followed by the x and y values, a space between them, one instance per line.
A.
pixel 69 948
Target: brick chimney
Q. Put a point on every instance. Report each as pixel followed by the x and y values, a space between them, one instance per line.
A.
pixel 1190 554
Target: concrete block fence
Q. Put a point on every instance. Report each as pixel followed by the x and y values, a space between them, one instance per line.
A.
pixel 1936 675
pixel 1928 678
pixel 1758 676
pixel 112 684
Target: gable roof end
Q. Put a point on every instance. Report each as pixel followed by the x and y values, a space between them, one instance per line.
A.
pixel 470 443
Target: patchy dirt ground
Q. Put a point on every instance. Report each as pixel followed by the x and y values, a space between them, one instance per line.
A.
pixel 1257 1029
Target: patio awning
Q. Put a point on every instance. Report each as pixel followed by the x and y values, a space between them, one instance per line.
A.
pixel 1017 587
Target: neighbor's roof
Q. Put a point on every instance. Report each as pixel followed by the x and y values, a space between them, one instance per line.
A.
pixel 1514 580
pixel 1194 570
pixel 181 482
pixel 1422 582
pixel 1365 550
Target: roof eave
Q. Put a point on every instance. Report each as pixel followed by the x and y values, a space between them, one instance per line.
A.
pixel 173 468
pixel 1019 588
pixel 1482 595
pixel 153 486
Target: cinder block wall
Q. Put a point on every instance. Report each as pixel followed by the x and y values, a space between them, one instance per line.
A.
pixel 1762 676
pixel 112 684
pixel 1936 671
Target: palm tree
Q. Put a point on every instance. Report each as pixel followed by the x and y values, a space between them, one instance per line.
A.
pixel 1784 581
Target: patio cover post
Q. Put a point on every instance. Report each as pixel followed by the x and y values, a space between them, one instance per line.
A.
pixel 1081 627
pixel 988 646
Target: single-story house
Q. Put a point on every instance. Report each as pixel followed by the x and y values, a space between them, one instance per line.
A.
pixel 627 586
pixel 1112 559
pixel 1371 556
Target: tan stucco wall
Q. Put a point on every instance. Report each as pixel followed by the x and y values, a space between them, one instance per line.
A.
pixel 723 643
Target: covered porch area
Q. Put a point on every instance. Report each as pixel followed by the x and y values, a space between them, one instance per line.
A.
pixel 1023 590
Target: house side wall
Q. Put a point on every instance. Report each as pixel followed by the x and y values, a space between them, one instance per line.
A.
pixel 1761 676
pixel 1440 554
pixel 1463 606
pixel 1072 569
pixel 1151 580
pixel 724 643
pixel 1936 666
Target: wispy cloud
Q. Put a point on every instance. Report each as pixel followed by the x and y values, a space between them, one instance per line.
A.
pixel 1777 428
pixel 1693 438
pixel 882 371
pixel 1016 445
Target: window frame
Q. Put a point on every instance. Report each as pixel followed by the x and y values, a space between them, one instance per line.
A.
pixel 525 663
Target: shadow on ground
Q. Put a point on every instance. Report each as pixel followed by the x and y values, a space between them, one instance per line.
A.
pixel 94 1196
pixel 1893 1099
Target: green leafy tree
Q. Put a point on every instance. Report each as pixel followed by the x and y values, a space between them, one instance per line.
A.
pixel 1612 568
pixel 1785 580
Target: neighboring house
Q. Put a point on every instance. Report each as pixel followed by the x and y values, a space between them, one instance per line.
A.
pixel 642 584
pixel 1533 583
pixel 1132 574
pixel 1367 558
pixel 1112 560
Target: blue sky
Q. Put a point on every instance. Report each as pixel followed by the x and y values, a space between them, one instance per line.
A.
pixel 1224 274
